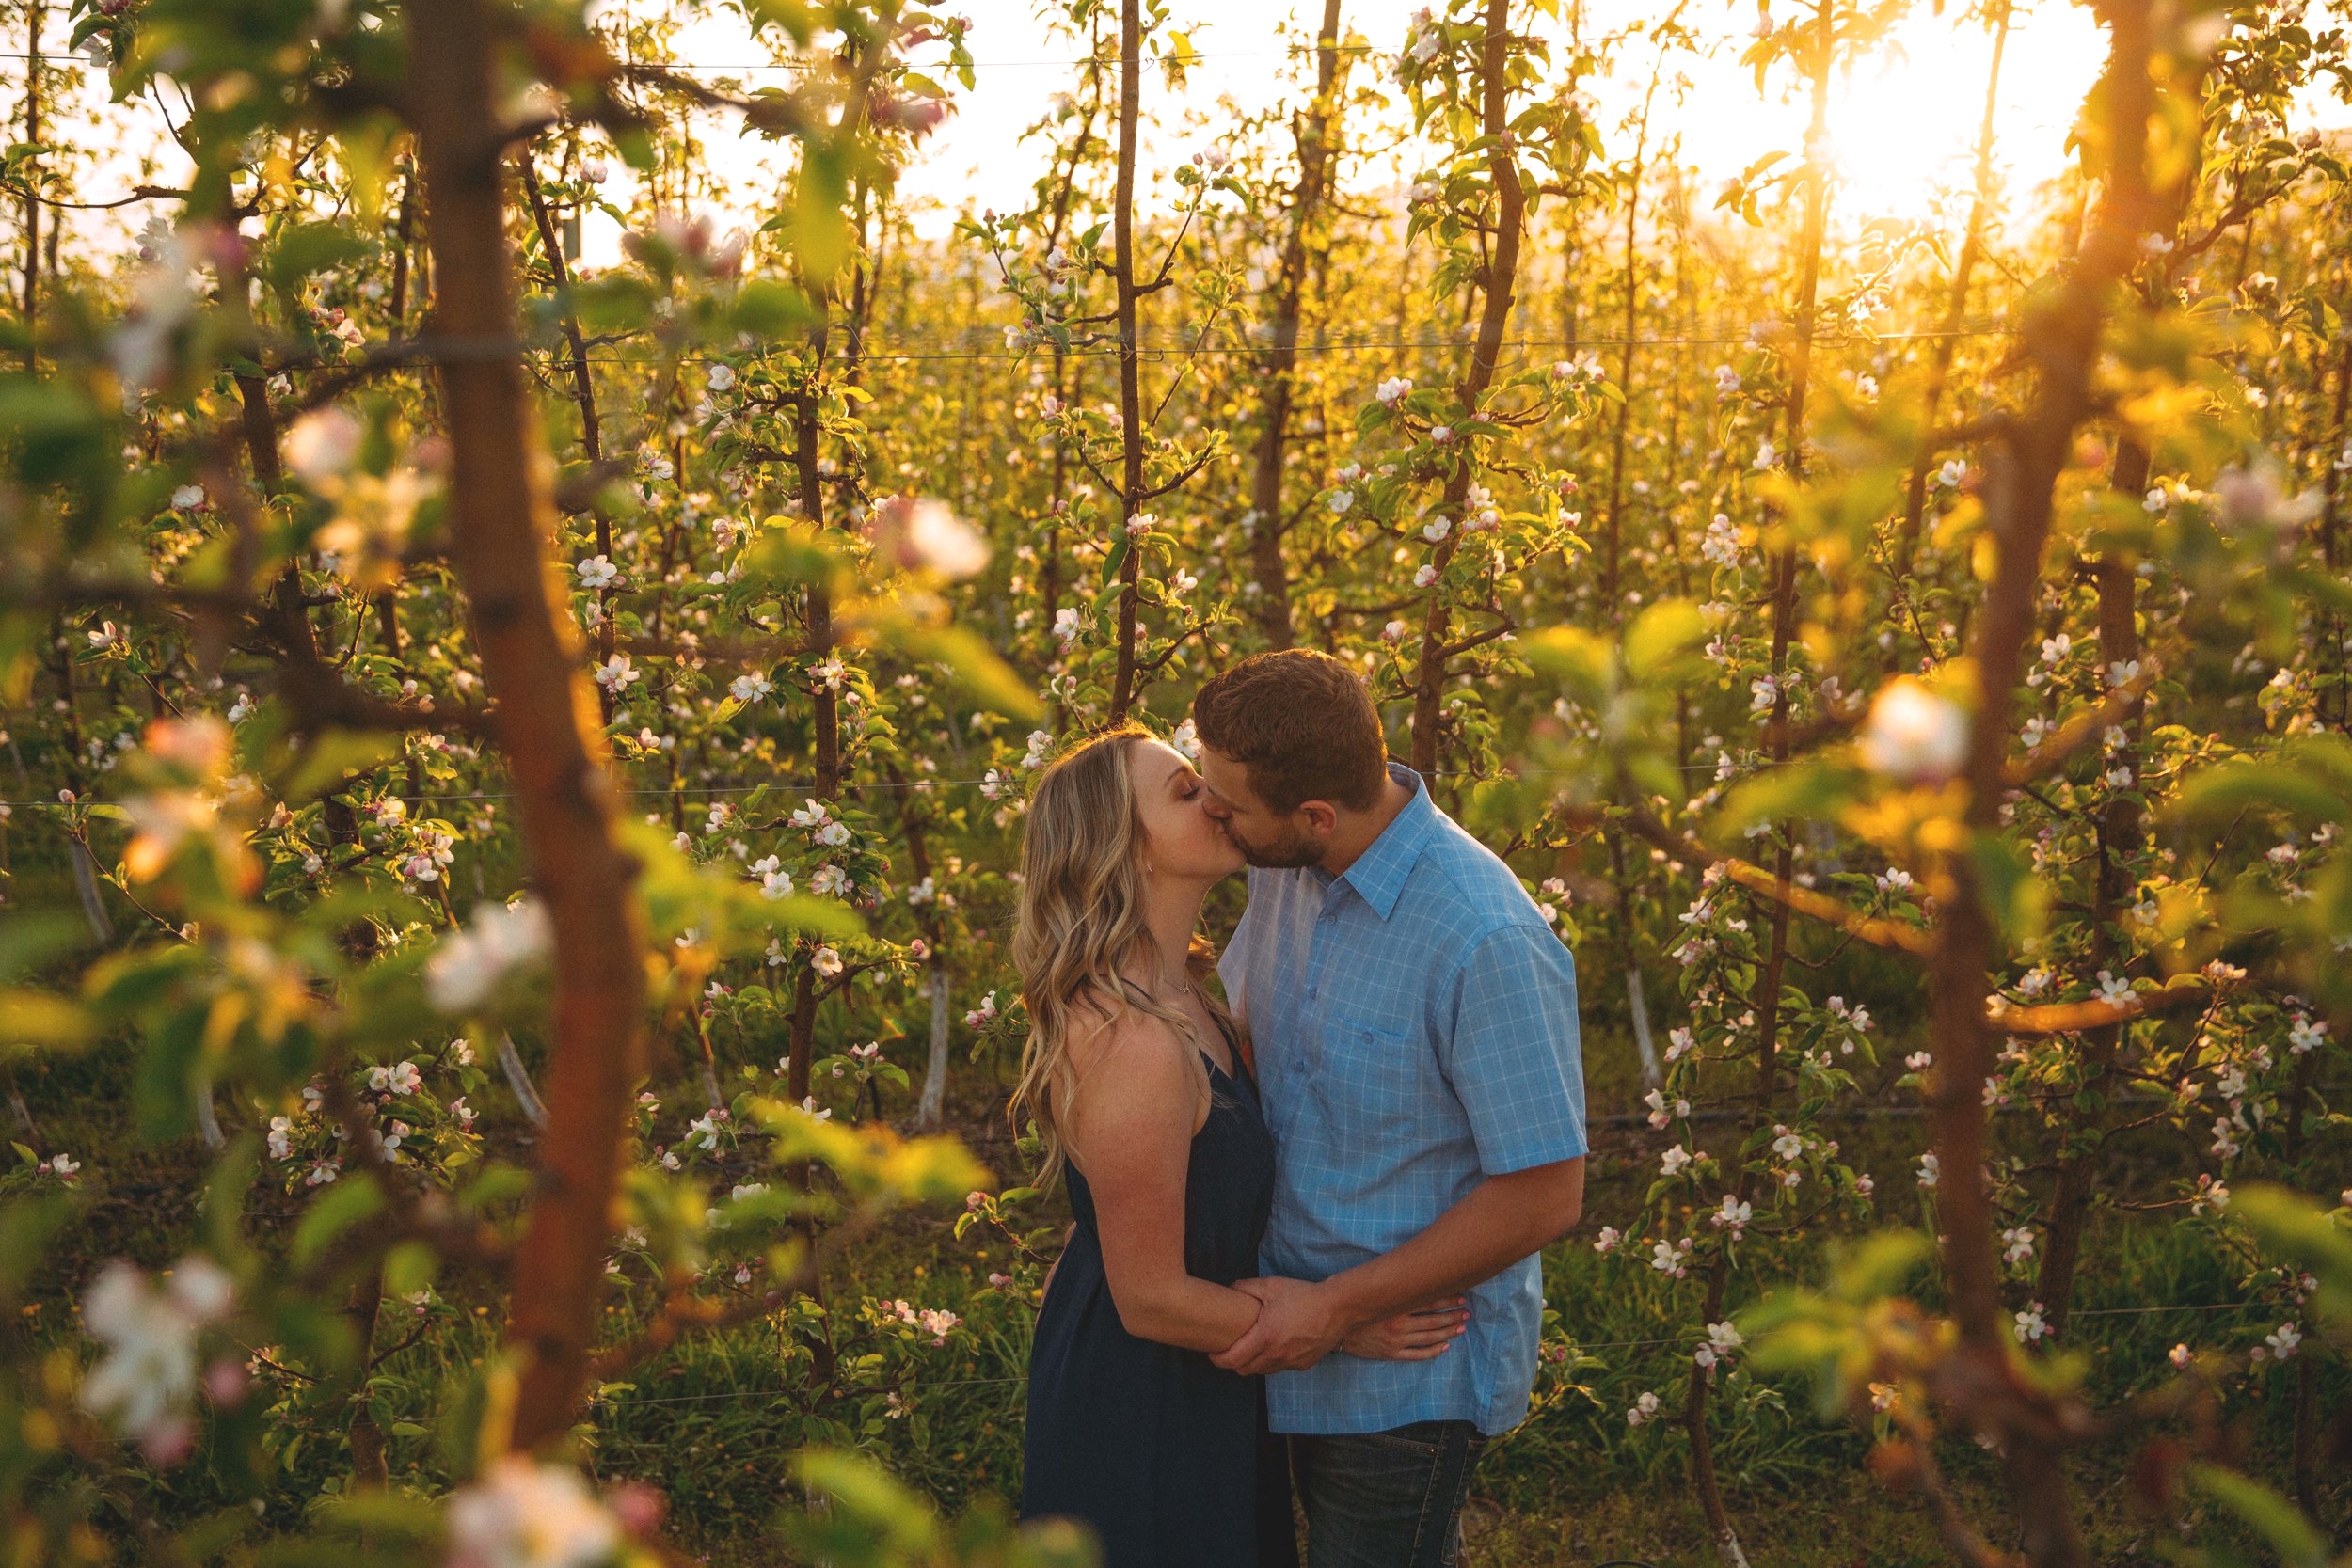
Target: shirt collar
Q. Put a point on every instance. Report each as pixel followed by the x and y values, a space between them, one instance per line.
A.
pixel 1379 872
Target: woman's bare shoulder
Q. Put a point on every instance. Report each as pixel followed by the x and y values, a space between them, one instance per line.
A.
pixel 1104 1028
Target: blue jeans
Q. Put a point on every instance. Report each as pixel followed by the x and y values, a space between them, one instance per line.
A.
pixel 1386 1499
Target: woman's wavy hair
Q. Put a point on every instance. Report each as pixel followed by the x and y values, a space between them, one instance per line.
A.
pixel 1081 923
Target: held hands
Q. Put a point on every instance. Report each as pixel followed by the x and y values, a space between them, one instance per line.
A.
pixel 1298 1324
pixel 1420 1334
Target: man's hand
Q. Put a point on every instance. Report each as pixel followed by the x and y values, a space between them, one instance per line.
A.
pixel 1297 1326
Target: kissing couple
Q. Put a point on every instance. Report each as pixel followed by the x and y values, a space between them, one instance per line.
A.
pixel 1308 1217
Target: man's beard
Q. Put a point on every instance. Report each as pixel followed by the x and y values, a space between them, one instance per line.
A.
pixel 1290 852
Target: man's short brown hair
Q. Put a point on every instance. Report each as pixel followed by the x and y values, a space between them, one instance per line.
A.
pixel 1303 725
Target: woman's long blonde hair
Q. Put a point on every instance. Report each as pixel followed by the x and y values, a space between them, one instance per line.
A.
pixel 1081 924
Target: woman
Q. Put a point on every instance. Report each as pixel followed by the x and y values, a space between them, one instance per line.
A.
pixel 1142 1096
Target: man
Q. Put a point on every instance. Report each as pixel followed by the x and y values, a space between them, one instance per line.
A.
pixel 1413 1019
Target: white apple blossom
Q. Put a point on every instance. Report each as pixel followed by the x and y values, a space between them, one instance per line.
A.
pixel 146 1383
pixel 1913 734
pixel 473 962
pixel 924 534
pixel 1394 389
pixel 524 1514
pixel 321 446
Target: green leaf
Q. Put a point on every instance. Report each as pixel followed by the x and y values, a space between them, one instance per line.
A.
pixel 1662 638
pixel 767 309
pixel 820 230
pixel 977 671
pixel 36 1018
pixel 2018 900
pixel 26 1229
pixel 311 247
pixel 29 941
pixel 1879 1264
pixel 2296 1541
pixel 345 1204
pixel 1811 790
pixel 1115 560
pixel 873 1518
pixel 335 757
pixel 2269 784
pixel 409 1268
pixel 2292 1227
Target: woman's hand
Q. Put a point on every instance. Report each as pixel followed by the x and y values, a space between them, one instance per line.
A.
pixel 1420 1334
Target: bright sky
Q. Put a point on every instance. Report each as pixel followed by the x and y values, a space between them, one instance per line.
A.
pixel 1902 124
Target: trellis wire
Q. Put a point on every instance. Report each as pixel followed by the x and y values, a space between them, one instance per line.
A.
pixel 803 787
pixel 623 1403
pixel 74 57
pixel 1345 346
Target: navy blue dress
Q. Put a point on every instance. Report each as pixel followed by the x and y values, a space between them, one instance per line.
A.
pixel 1163 1454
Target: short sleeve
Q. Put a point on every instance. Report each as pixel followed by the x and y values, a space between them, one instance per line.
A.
pixel 1514 1054
pixel 1233 964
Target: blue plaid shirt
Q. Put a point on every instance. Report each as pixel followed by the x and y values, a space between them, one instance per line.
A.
pixel 1414 1026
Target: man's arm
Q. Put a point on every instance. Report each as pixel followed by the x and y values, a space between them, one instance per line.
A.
pixel 1503 1219
pixel 1515 1062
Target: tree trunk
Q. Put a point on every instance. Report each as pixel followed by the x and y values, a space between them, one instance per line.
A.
pixel 1316 129
pixel 2336 707
pixel 932 1108
pixel 583 398
pixel 2120 832
pixel 1956 304
pixel 34 15
pixel 501 526
pixel 1494 316
pixel 369 1471
pixel 2063 334
pixel 1130 348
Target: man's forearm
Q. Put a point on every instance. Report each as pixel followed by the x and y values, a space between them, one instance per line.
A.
pixel 1503 1219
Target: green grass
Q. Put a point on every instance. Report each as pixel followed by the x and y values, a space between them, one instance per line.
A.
pixel 715 1423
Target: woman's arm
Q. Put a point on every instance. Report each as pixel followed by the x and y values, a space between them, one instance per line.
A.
pixel 1136 1113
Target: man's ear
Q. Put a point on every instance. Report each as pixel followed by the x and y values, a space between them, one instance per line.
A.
pixel 1321 815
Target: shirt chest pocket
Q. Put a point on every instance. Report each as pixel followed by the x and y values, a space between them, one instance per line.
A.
pixel 1372 1077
